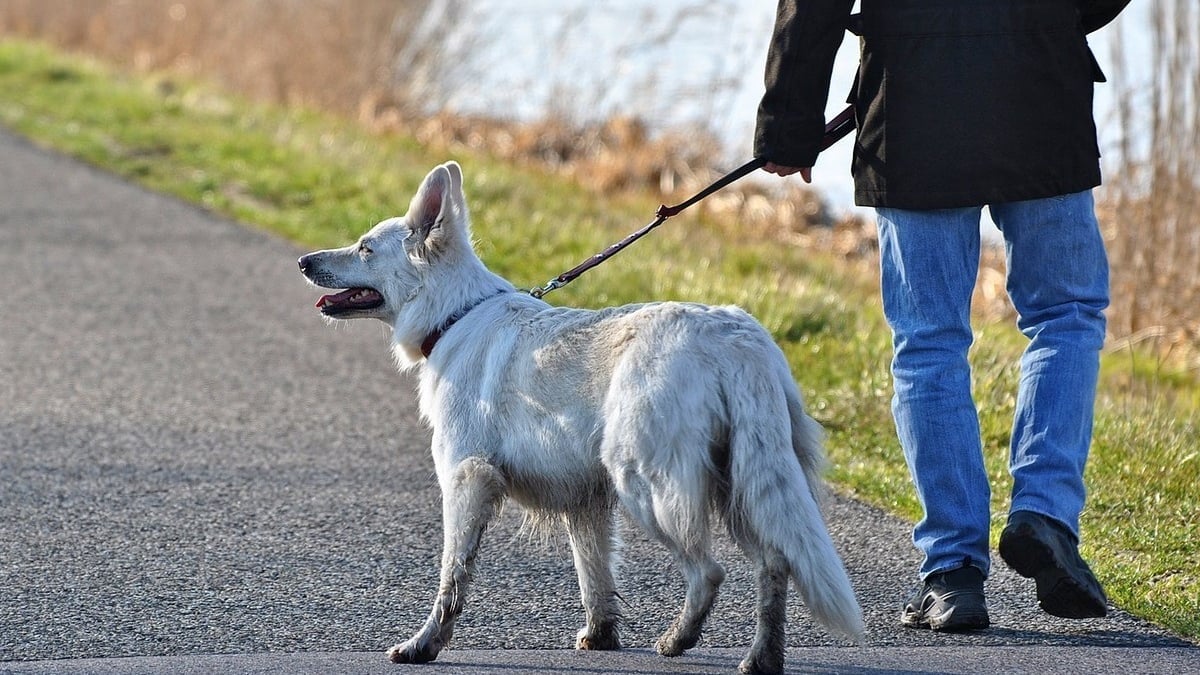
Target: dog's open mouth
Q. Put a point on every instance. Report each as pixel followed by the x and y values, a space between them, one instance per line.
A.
pixel 352 300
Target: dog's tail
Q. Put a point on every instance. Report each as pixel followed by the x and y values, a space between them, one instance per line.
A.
pixel 777 494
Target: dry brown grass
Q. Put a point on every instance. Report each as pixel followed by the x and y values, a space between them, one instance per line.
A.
pixel 324 53
pixel 1151 210
pixel 346 56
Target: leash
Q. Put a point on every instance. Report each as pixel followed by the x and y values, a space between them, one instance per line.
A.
pixel 835 130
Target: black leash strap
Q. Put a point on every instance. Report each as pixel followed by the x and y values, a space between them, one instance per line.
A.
pixel 835 129
pixel 662 214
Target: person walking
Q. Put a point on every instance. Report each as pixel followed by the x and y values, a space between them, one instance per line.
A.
pixel 961 105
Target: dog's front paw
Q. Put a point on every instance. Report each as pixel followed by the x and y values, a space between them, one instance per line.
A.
pixel 414 650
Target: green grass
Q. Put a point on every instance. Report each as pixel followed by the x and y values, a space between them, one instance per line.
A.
pixel 322 181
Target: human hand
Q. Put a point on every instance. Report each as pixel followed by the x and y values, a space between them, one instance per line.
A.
pixel 804 171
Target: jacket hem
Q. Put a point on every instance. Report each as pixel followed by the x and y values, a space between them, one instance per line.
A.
pixel 932 200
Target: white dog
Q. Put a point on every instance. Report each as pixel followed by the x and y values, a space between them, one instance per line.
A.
pixel 674 410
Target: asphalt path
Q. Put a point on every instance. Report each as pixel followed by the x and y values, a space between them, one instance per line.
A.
pixel 198 475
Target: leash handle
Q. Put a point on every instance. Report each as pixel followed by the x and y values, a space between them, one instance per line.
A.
pixel 835 130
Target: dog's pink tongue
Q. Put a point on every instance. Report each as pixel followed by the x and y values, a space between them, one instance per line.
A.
pixel 336 297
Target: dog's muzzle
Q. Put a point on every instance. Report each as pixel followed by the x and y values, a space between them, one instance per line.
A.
pixel 355 299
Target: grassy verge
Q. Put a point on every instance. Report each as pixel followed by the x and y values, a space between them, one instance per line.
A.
pixel 321 181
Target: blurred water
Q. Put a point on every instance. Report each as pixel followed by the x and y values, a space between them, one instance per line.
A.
pixel 672 63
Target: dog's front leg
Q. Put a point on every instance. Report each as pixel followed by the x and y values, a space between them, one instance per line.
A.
pixel 469 499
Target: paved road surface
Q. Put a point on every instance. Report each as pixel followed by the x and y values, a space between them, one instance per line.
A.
pixel 198 473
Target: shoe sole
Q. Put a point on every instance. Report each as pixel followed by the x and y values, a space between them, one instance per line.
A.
pixel 959 622
pixel 948 624
pixel 954 620
pixel 1059 592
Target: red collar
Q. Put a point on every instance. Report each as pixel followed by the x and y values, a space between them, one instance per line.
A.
pixel 431 340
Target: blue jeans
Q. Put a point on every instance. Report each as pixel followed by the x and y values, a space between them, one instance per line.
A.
pixel 1058 283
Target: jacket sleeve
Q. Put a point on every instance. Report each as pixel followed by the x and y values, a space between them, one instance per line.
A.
pixel 791 116
pixel 1097 13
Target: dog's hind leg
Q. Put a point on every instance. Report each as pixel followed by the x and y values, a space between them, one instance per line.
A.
pixel 664 483
pixel 469 500
pixel 677 515
pixel 703 577
pixel 591 533
pixel 767 653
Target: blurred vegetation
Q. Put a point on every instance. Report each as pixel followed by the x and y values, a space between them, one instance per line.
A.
pixel 373 60
pixel 1152 208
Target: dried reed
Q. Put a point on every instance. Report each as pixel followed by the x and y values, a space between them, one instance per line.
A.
pixel 1150 204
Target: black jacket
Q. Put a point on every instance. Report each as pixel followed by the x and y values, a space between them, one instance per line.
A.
pixel 958 102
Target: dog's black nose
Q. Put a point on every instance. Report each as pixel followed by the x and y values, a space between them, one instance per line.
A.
pixel 303 262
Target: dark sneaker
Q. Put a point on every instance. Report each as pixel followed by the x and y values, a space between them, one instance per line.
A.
pixel 949 601
pixel 1041 549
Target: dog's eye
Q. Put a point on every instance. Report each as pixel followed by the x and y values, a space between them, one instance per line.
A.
pixel 363 249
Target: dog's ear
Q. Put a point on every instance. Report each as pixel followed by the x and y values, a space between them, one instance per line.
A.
pixel 434 209
pixel 456 179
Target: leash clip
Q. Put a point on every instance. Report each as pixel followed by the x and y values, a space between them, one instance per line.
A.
pixel 550 286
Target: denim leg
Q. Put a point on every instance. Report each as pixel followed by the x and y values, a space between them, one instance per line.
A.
pixel 1058 283
pixel 928 263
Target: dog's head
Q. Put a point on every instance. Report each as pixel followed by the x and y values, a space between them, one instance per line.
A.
pixel 386 268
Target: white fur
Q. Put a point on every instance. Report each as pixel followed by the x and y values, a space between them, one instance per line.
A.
pixel 676 411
